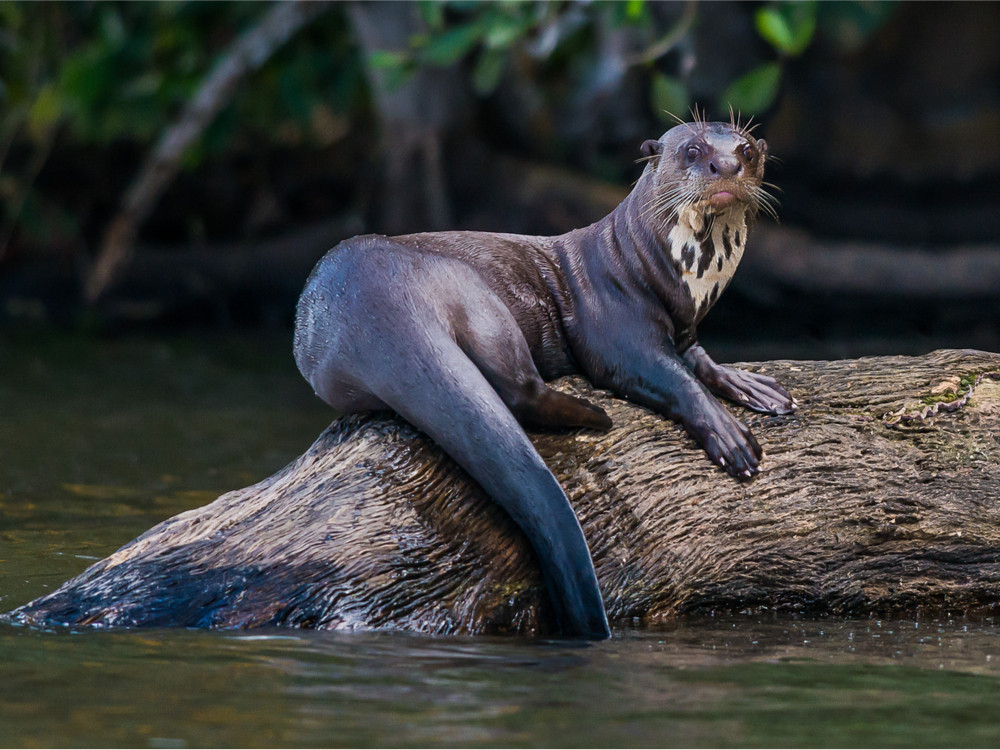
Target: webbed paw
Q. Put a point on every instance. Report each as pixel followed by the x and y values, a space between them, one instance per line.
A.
pixel 727 441
pixel 761 393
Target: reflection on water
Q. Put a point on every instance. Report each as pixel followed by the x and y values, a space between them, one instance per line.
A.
pixel 100 440
pixel 714 682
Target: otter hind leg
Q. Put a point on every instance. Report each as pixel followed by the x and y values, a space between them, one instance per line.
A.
pixel 495 344
pixel 552 409
pixel 534 404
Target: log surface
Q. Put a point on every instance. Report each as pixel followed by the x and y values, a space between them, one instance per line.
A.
pixel 373 527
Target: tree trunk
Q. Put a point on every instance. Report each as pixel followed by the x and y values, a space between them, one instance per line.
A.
pixel 878 496
pixel 415 113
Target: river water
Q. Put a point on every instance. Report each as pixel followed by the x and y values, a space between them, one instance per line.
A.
pixel 99 440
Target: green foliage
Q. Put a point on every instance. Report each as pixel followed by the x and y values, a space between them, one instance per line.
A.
pixel 110 71
pixel 490 30
pixel 788 27
pixel 754 92
pixel 94 74
pixel 451 45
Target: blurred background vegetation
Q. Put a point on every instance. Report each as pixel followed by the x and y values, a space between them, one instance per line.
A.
pixel 506 116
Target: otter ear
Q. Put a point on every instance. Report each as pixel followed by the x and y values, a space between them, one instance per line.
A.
pixel 762 145
pixel 651 148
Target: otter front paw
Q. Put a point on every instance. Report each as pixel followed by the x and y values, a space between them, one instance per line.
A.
pixel 758 392
pixel 726 440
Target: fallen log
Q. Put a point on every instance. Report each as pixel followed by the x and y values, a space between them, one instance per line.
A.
pixel 878 496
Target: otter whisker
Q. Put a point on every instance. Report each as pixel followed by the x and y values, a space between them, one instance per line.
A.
pixel 674 117
pixel 764 202
pixel 699 118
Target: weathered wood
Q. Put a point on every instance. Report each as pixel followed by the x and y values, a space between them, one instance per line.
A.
pixel 374 528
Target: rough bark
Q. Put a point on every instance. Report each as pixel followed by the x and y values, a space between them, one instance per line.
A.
pixel 857 511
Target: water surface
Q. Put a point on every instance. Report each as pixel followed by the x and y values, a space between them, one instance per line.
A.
pixel 99 440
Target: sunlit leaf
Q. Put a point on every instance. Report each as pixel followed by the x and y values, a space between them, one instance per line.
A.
pixel 504 33
pixel 772 26
pixel 754 92
pixel 788 27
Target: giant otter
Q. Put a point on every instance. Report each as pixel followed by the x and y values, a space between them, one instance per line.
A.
pixel 458 331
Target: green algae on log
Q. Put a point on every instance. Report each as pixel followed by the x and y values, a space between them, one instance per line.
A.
pixel 373 527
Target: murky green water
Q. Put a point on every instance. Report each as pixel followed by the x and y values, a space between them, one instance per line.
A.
pixel 100 440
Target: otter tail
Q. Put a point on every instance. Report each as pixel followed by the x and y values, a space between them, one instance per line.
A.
pixel 449 398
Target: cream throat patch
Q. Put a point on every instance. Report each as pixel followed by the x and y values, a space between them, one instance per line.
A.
pixel 706 251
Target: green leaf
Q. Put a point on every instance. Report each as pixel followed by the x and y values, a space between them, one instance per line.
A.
pixel 669 96
pixel 788 27
pixel 504 33
pixel 432 11
pixel 754 92
pixel 634 9
pixel 488 71
pixel 45 111
pixel 772 26
pixel 383 59
pixel 452 45
pixel 396 67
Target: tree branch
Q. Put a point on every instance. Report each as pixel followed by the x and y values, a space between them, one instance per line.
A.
pixel 246 54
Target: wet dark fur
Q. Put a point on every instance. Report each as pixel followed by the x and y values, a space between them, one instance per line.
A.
pixel 457 332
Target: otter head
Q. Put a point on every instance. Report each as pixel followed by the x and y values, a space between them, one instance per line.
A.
pixel 706 167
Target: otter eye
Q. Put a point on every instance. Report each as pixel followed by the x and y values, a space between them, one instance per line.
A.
pixel 749 152
pixel 693 153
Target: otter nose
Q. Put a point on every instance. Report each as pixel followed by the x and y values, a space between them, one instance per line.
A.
pixel 722 166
